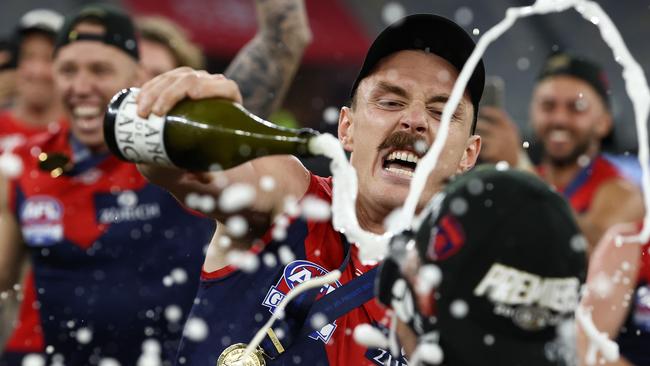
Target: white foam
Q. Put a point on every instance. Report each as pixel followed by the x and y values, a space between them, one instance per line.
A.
pixel 598 341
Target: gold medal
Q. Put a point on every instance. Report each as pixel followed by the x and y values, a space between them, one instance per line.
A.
pixel 232 354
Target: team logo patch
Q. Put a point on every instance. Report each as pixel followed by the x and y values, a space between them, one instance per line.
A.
pixel 41 219
pixel 294 274
pixel 447 237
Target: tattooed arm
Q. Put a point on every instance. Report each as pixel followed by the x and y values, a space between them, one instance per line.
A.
pixel 264 68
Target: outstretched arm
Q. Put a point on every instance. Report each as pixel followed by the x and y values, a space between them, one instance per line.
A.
pixel 605 297
pixel 264 68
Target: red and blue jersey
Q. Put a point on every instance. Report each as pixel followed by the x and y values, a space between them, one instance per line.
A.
pixel 580 192
pixel 110 254
pixel 634 336
pixel 14 132
pixel 235 304
pixel 27 335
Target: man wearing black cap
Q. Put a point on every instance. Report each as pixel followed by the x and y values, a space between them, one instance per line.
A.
pixel 36 104
pixel 116 260
pixel 492 279
pixel 397 102
pixel 570 115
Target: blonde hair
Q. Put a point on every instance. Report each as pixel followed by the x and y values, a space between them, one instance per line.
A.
pixel 163 31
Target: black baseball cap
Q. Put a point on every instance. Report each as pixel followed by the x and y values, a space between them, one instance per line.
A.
pixel 510 251
pixel 431 33
pixel 588 71
pixel 119 29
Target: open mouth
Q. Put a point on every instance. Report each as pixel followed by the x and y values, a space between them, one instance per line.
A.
pixel 86 111
pixel 401 162
pixel 559 136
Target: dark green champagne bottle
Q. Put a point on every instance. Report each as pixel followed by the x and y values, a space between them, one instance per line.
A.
pixel 199 135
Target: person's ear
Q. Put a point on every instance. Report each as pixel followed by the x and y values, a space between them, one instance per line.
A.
pixel 346 129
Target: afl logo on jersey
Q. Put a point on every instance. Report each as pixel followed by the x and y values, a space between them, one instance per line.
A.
pixel 41 219
pixel 447 238
pixel 294 274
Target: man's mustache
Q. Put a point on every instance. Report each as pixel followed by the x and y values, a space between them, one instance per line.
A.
pixel 404 141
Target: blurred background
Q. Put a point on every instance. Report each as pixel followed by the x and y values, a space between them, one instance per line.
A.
pixel 344 28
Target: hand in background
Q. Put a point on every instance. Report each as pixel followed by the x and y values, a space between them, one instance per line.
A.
pixel 500 137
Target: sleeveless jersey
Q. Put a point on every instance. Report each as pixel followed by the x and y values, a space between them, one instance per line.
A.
pixel 235 304
pixel 580 192
pixel 634 335
pixel 116 260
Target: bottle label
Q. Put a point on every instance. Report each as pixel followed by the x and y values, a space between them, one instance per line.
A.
pixel 140 140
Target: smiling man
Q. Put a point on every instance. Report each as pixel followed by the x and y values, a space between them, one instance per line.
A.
pixel 571 117
pixel 116 260
pixel 397 101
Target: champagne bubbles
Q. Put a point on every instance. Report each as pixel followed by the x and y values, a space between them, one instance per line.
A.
pixel 236 197
pixel 244 260
pixel 476 31
pixel 269 260
pixel 488 339
pixel 584 161
pixel 523 63
pixel 525 144
pixel 267 183
pixel 430 353
pixel 331 115
pixel 150 353
pixel 10 165
pixel 578 243
pixel 475 187
pixel 33 359
pixel 173 313
pixel 195 329
pixel 279 232
pixel 502 166
pixel 458 206
pixel 392 12
pixel 318 321
pixel 369 336
pixel 84 335
pixel 429 277
pixel 625 266
pixel 315 209
pixel 237 226
pixel 204 203
pixel 602 285
pixel 581 104
pixel 443 76
pixel 179 275
pixel 224 241
pixel 57 360
pixel 464 16
pixel 421 146
pixel 459 309
pixel 108 362
pixel 286 255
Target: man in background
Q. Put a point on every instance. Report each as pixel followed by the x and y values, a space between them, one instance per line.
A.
pixel 570 115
